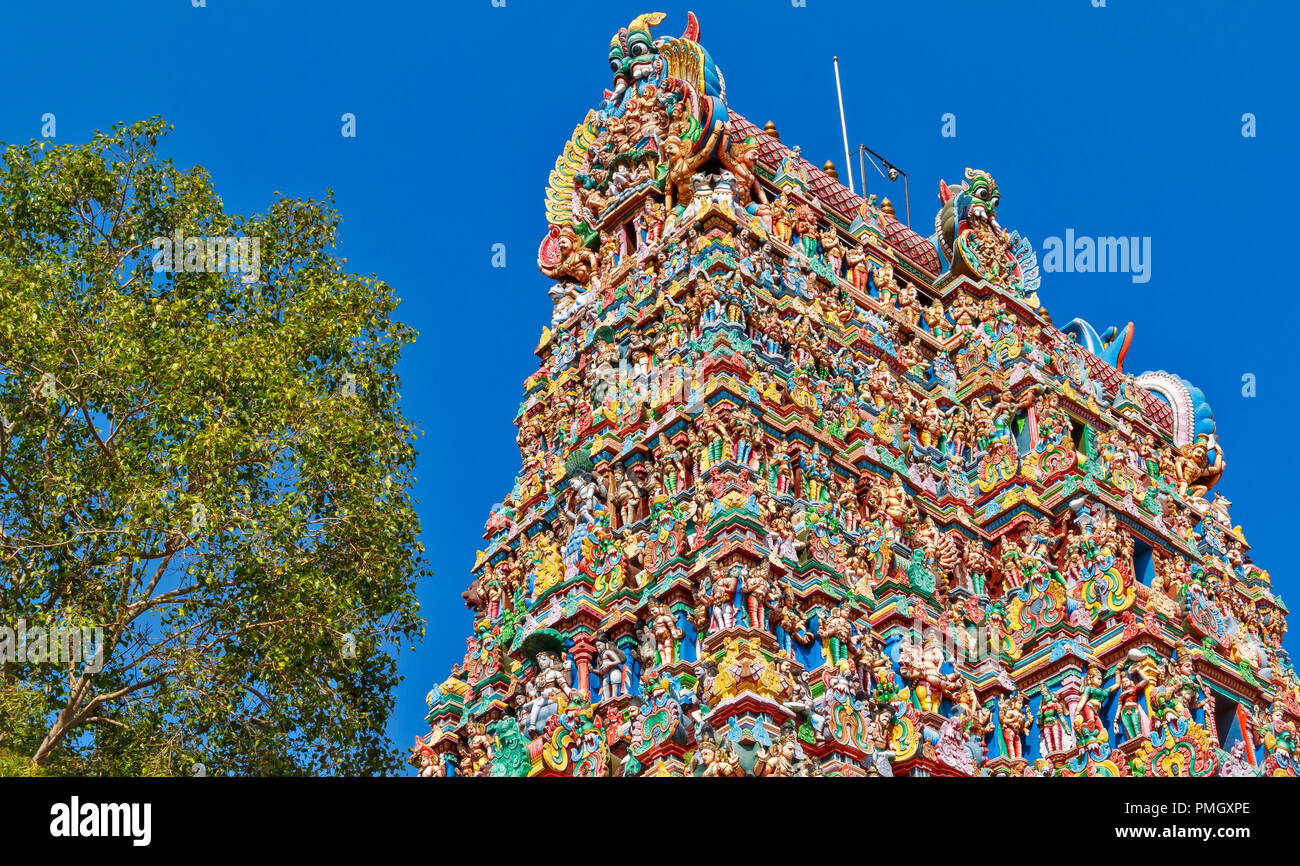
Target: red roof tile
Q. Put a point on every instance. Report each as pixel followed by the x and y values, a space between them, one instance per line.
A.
pixel 836 197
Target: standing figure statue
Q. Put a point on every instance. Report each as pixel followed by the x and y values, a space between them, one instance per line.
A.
pixel 1087 722
pixel 1052 719
pixel 922 664
pixel 793 625
pixel 666 631
pixel 628 494
pixel 609 667
pixel 1015 723
pixel 1130 712
pixel 756 587
pixel 803 702
pixel 837 630
pixel 724 581
pixel 705 673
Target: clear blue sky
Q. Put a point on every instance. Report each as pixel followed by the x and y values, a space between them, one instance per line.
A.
pixel 1123 120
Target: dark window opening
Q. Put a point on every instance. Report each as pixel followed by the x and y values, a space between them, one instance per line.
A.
pixel 1143 562
pixel 1020 429
pixel 1225 720
pixel 1079 436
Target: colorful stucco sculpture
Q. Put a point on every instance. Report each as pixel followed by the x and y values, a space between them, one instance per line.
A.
pixel 803 492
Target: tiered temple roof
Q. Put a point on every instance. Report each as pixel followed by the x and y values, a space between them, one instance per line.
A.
pixel 804 492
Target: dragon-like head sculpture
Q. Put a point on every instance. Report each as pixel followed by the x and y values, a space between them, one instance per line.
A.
pixel 974 200
pixel 632 52
pixel 665 116
pixel 980 199
pixel 636 58
pixel 970 237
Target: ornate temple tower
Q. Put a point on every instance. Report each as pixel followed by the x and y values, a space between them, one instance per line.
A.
pixel 806 493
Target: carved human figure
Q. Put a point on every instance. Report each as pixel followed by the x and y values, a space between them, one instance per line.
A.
pixel 683 160
pixel 1015 722
pixel 546 691
pixel 724 582
pixel 1053 716
pixel 1130 713
pixel 793 626
pixel 666 631
pixel 837 630
pixel 1087 723
pixel 609 667
pixel 705 673
pixel 756 586
pixel 716 759
pixel 1193 465
pixel 778 759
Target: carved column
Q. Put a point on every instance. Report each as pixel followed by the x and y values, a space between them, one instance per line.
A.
pixel 1247 733
pixel 583 651
pixel 1211 724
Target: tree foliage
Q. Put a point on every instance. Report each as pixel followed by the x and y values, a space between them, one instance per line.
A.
pixel 213 470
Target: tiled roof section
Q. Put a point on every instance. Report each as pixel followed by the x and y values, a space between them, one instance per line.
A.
pixel 1153 408
pixel 837 197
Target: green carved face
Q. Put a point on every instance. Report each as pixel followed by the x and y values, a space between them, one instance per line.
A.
pixel 632 51
pixel 984 193
pixel 630 58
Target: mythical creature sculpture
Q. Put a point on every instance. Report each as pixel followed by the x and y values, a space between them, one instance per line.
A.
pixel 970 237
pixel 1111 346
pixel 665 116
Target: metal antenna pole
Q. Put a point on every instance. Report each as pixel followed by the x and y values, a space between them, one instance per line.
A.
pixel 862 167
pixel 894 172
pixel 848 163
pixel 907 201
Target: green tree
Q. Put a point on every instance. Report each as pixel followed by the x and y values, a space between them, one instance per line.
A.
pixel 211 467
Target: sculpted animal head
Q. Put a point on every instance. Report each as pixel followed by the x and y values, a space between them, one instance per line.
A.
pixel 981 197
pixel 632 50
pixel 975 199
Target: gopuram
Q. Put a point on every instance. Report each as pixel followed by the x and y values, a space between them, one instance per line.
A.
pixel 804 492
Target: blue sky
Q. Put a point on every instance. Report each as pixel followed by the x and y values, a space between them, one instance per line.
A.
pixel 1116 121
